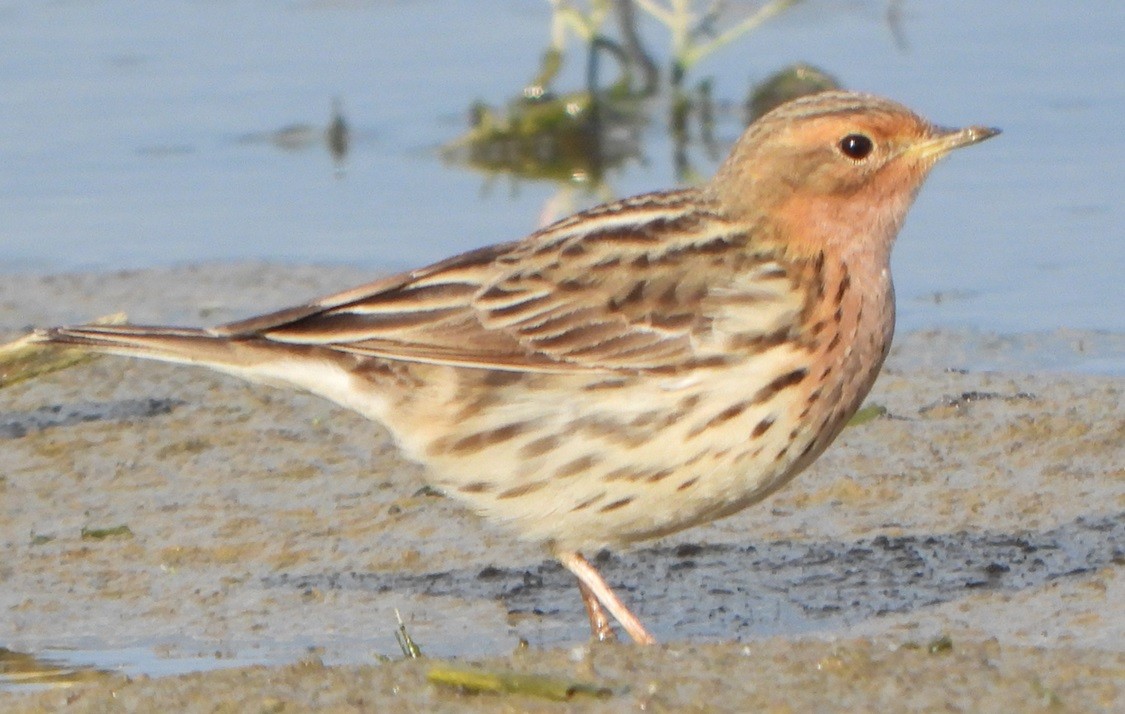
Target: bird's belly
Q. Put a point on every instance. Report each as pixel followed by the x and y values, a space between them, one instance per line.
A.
pixel 587 461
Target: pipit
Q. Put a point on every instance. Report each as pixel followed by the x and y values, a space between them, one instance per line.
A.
pixel 638 368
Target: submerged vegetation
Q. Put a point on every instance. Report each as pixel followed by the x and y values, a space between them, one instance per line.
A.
pixel 573 136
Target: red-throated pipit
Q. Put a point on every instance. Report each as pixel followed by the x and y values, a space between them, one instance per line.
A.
pixel 632 370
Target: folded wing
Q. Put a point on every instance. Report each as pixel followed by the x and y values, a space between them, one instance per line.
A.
pixel 619 288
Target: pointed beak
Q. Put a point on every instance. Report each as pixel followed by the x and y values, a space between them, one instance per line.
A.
pixel 945 140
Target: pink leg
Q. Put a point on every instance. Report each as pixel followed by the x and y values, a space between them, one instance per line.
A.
pixel 593 586
pixel 599 620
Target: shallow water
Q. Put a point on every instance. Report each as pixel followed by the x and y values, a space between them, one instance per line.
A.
pixel 188 132
pixel 61 668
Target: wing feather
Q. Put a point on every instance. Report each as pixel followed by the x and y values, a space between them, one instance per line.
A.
pixel 619 287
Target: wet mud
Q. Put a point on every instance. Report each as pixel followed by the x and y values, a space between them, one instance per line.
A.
pixel 965 546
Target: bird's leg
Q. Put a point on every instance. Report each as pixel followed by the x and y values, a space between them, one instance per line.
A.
pixel 599 620
pixel 595 589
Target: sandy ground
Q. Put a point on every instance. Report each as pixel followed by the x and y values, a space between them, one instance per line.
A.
pixel 962 552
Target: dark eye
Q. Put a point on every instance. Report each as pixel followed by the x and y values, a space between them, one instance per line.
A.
pixel 856 146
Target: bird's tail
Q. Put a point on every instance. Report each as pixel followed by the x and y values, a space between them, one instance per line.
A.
pixel 328 373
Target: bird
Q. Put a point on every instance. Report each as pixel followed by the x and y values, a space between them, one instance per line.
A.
pixel 633 370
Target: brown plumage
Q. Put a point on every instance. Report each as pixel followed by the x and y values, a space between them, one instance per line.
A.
pixel 637 368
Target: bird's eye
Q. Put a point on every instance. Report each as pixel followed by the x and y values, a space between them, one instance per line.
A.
pixel 856 146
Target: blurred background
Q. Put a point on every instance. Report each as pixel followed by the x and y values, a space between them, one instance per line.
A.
pixel 390 133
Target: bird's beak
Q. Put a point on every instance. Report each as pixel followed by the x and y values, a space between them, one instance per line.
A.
pixel 945 140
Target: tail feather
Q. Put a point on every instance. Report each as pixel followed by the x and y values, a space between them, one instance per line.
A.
pixel 168 344
pixel 319 370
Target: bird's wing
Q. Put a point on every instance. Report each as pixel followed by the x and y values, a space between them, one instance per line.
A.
pixel 616 288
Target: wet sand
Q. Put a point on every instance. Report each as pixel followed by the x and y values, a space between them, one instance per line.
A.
pixel 983 518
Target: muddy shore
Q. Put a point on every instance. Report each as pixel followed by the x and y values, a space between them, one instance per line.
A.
pixel 964 549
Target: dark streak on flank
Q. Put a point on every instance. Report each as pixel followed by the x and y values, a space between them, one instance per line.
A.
pixel 699 456
pixel 619 503
pixel 540 446
pixel 771 390
pixel 522 490
pixel 645 419
pixel 624 473
pixel 762 427
pixel 670 419
pixel 484 439
pixel 687 484
pixel 724 416
pixel 690 402
pixel 588 502
pixel 476 487
pixel 582 463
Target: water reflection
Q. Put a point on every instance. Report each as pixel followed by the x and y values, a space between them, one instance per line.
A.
pixel 335 137
pixel 26 671
pixel 574 136
pixel 785 85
